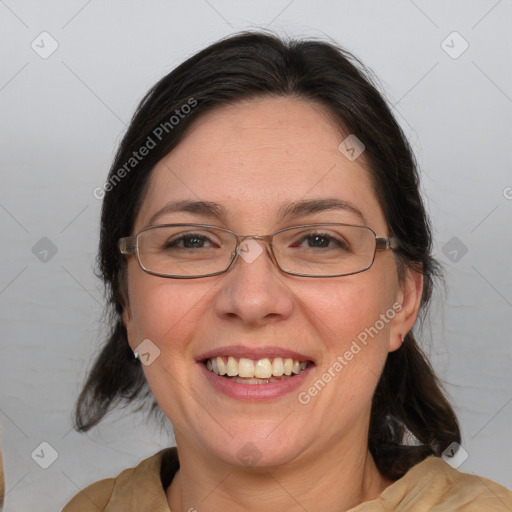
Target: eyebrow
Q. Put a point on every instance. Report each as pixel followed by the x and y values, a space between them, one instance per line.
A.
pixel 291 210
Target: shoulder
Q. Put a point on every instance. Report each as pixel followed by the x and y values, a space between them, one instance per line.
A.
pixel 142 483
pixel 432 483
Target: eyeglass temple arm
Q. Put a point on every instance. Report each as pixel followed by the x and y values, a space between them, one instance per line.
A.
pixel 386 243
pixel 127 245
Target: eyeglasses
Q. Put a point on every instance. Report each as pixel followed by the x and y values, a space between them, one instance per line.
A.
pixel 189 251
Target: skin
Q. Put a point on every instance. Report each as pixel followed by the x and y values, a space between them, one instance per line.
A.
pixel 252 157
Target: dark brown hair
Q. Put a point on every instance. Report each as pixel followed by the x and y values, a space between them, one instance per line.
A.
pixel 408 399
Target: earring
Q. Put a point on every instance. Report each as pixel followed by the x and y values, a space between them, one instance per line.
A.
pixel 136 355
pixel 403 337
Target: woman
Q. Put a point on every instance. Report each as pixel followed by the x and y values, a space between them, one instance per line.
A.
pixel 267 253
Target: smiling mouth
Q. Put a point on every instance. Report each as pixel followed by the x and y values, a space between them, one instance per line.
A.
pixel 256 371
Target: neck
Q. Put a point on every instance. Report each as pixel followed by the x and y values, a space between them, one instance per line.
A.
pixel 334 480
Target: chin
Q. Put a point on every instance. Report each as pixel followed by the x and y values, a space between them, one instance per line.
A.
pixel 256 451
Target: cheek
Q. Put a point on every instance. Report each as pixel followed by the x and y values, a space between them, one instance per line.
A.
pixel 344 309
pixel 167 312
pixel 164 311
pixel 352 319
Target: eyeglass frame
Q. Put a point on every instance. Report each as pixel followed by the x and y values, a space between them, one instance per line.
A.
pixel 129 245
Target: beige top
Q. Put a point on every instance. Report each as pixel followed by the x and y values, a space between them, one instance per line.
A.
pixel 432 485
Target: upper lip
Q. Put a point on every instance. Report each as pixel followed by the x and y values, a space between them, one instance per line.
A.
pixel 252 353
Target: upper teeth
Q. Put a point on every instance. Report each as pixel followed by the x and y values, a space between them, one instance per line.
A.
pixel 261 368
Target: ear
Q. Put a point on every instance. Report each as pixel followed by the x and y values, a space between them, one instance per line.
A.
pixel 129 324
pixel 407 305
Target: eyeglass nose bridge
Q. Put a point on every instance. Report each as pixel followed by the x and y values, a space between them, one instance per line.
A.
pixel 266 239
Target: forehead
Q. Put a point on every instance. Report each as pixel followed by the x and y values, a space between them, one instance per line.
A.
pixel 255 156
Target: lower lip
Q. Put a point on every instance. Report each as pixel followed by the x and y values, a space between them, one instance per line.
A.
pixel 254 392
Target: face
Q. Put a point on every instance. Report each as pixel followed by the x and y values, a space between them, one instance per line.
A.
pixel 253 158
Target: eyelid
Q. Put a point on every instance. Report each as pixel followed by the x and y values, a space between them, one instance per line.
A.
pixel 306 226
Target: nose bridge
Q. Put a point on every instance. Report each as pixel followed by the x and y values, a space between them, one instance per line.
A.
pixel 252 293
pixel 251 253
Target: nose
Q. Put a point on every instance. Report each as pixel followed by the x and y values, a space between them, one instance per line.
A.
pixel 254 290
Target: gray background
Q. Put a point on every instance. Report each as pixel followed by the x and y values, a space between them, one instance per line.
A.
pixel 62 117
